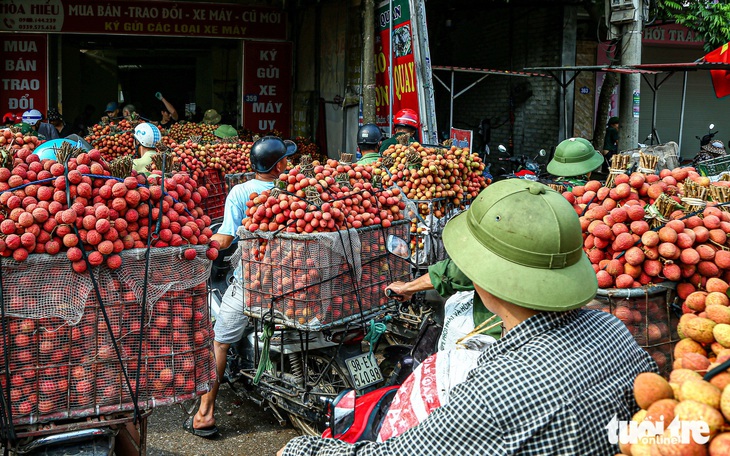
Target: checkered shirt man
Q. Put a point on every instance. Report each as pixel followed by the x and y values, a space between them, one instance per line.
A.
pixel 549 387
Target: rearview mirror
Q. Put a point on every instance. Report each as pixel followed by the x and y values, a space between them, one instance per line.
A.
pixel 542 152
pixel 712 126
pixel 398 247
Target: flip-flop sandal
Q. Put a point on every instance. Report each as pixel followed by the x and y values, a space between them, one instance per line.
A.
pixel 206 432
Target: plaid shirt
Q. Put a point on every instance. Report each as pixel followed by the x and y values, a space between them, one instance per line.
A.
pixel 549 387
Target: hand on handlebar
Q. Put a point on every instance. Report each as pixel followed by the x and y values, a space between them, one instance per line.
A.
pixel 398 291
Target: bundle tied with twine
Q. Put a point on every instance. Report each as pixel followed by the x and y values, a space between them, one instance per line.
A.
pixel 312 196
pixel 695 196
pixel 279 186
pixel 171 166
pixel 619 164
pixel 67 151
pixel 658 213
pixel 346 158
pixel 121 166
pixel 413 158
pixel 306 166
pixel 720 195
pixel 558 188
pixel 647 163
pixel 388 161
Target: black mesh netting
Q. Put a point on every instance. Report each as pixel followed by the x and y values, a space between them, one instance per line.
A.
pixel 311 281
pixel 62 362
pixel 44 286
pixel 649 315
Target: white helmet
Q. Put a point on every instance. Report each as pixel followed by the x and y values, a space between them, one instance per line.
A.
pixel 32 117
pixel 147 134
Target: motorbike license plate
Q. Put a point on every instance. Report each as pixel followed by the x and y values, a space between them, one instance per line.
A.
pixel 364 370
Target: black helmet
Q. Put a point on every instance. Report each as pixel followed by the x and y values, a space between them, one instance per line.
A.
pixel 267 151
pixel 369 134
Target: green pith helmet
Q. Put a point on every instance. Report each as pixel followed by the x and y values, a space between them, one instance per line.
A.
pixel 522 242
pixel 574 157
pixel 25 128
pixel 225 131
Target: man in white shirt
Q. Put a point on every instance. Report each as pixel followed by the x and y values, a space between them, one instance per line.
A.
pixel 268 161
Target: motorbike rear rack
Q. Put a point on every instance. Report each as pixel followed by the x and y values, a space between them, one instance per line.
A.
pixel 279 319
pixel 58 427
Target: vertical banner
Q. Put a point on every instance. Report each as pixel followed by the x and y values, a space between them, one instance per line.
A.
pixel 23 73
pixel 405 84
pixel 267 86
pixel 424 73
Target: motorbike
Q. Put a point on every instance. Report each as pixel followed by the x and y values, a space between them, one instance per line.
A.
pixel 709 147
pixel 521 166
pixel 309 367
pixel 352 417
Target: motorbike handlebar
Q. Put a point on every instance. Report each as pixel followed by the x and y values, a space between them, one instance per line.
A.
pixel 392 294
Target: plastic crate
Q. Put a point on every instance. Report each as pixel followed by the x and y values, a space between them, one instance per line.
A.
pixel 714 166
pixel 320 279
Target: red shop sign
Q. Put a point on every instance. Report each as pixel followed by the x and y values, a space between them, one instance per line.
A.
pixel 163 18
pixel 23 75
pixel 267 77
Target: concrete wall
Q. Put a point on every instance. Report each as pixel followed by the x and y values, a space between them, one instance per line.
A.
pixel 507 38
pixel 585 91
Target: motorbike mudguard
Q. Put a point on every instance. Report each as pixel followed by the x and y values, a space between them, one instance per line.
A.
pixel 370 409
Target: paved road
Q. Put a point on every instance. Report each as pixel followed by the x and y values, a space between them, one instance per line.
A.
pixel 246 429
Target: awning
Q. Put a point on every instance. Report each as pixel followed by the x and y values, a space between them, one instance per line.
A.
pixel 560 74
pixel 483 71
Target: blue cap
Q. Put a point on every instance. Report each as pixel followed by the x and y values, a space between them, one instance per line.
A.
pixel 111 106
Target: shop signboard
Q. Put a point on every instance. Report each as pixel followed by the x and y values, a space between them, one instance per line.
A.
pixel 671 35
pixel 405 81
pixel 23 73
pixel 159 18
pixel 267 91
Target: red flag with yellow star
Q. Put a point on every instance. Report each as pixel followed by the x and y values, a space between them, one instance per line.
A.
pixel 720 78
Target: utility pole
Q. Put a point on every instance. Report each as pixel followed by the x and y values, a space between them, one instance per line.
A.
pixel 624 19
pixel 630 97
pixel 368 64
